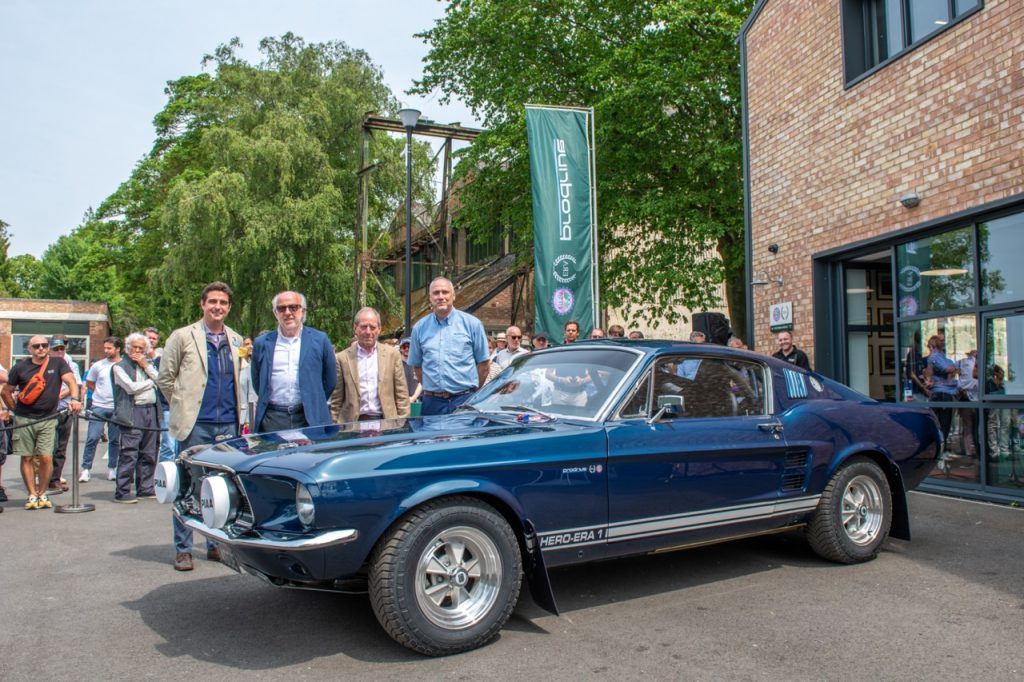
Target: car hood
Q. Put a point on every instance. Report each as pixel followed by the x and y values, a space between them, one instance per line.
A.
pixel 385 444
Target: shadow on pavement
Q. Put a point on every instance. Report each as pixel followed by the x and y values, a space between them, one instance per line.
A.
pixel 239 622
pixel 159 554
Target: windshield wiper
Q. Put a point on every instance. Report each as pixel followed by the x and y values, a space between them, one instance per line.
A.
pixel 464 406
pixel 524 408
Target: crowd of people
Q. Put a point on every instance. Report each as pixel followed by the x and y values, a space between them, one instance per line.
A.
pixel 210 383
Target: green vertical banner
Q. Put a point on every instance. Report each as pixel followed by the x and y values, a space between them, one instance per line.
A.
pixel 564 218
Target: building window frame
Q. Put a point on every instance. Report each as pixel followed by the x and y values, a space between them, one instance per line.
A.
pixel 861 56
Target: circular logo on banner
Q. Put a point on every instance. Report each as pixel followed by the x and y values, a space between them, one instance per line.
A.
pixel 562 301
pixel 565 268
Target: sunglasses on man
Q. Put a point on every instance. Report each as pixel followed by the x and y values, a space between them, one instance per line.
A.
pixel 38 345
pixel 292 308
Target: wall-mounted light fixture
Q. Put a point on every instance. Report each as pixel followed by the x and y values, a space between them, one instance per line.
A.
pixel 761 278
pixel 910 200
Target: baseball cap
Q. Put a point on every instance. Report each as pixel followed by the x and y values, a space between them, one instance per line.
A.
pixel 57 343
pixel 541 335
pixel 501 336
pixel 406 340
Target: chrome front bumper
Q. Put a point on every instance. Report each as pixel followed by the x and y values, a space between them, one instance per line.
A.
pixel 272 540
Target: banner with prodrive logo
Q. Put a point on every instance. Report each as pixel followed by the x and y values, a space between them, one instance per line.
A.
pixel 564 210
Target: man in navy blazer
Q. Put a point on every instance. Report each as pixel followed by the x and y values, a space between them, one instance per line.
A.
pixel 293 370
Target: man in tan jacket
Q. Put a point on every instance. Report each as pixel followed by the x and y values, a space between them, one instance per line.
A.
pixel 371 381
pixel 199 378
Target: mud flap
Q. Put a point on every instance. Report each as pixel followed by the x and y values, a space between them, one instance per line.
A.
pixel 537 575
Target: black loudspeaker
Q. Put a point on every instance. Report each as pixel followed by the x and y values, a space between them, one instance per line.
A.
pixel 714 325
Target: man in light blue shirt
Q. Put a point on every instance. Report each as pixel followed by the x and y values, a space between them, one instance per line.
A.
pixel 448 352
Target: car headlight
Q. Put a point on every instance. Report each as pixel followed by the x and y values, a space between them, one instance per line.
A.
pixel 304 505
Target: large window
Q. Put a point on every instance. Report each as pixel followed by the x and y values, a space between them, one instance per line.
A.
pixel 1000 245
pixel 875 31
pixel 960 334
pixel 936 273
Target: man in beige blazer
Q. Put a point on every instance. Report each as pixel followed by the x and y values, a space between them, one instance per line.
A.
pixel 199 377
pixel 371 381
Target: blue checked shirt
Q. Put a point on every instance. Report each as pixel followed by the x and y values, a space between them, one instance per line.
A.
pixel 448 351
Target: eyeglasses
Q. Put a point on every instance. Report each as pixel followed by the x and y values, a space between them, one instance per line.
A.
pixel 293 308
pixel 38 345
pixel 513 336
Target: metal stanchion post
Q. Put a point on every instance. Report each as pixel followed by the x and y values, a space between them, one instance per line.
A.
pixel 74 507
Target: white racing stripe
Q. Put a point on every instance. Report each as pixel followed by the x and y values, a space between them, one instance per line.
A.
pixel 676 523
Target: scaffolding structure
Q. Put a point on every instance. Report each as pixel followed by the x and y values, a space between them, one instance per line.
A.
pixel 437 227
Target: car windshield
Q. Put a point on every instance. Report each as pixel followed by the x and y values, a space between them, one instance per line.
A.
pixel 565 382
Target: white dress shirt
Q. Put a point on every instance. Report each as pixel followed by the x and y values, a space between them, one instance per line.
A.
pixel 284 375
pixel 369 399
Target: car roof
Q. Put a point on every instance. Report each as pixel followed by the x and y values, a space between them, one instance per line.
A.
pixel 668 346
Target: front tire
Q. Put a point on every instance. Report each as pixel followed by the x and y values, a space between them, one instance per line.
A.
pixel 446 576
pixel 853 515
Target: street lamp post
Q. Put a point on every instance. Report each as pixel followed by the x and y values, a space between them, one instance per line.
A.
pixel 409 119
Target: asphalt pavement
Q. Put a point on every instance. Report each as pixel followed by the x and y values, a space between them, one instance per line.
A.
pixel 93 596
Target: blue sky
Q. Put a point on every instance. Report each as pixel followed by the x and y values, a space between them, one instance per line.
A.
pixel 80 82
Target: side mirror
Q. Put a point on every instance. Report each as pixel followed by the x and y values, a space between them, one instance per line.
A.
pixel 670 406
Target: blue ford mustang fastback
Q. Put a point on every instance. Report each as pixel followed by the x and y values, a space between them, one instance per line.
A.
pixel 574 454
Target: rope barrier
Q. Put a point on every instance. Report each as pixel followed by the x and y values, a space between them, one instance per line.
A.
pixel 87 415
pixel 91 416
pixel 21 425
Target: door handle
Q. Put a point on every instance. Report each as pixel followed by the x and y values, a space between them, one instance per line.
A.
pixel 774 428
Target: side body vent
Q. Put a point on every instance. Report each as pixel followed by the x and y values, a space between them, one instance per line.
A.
pixel 794 475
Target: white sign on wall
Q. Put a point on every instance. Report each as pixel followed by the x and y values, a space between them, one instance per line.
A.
pixel 780 317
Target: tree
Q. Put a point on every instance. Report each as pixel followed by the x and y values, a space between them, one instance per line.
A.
pixel 6 285
pixel 25 272
pixel 663 79
pixel 78 267
pixel 252 180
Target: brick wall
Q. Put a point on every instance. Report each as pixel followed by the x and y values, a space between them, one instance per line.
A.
pixel 828 164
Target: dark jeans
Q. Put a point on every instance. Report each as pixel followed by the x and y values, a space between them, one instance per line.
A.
pixel 60 449
pixel 139 446
pixel 202 432
pixel 434 405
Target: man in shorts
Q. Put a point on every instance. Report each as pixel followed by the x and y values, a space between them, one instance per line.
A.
pixel 34 440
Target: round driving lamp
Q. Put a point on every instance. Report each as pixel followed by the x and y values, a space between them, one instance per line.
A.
pixel 167 482
pixel 218 499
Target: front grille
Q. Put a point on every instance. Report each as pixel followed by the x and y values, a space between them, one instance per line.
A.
pixel 244 519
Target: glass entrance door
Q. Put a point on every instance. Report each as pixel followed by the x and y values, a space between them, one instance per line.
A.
pixel 870 332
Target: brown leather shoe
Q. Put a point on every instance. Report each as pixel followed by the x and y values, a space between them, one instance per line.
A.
pixel 213 554
pixel 183 561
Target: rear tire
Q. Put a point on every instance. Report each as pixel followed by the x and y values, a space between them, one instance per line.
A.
pixel 446 576
pixel 853 515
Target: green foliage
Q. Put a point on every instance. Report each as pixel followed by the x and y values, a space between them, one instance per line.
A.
pixel 19 275
pixel 252 180
pixel 79 267
pixel 663 79
pixel 25 272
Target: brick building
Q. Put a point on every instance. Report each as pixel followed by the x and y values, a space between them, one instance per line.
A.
pixel 884 145
pixel 85 324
